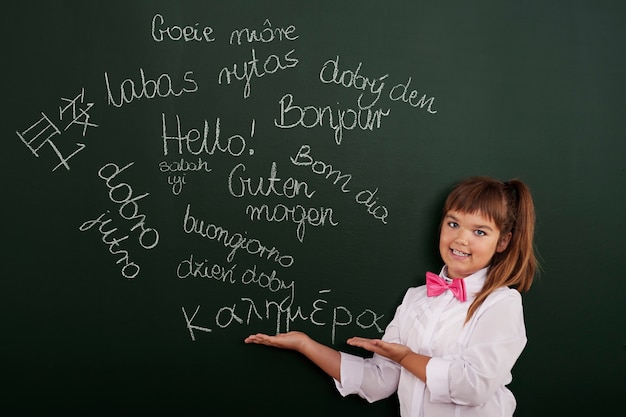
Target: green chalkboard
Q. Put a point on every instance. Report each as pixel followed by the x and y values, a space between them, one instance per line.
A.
pixel 178 175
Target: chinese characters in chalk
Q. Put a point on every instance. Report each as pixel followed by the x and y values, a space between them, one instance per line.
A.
pixel 46 132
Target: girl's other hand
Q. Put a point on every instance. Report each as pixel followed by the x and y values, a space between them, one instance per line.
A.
pixel 394 351
pixel 291 340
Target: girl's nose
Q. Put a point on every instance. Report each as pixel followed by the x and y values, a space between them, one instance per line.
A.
pixel 462 237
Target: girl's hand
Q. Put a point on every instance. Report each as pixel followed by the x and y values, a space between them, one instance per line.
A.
pixel 291 340
pixel 394 351
pixel 328 359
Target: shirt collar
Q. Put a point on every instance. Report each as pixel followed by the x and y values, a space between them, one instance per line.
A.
pixel 473 283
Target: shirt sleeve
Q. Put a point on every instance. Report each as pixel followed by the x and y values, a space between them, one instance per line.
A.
pixel 372 378
pixel 495 338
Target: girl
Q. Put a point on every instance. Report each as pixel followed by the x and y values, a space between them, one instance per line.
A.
pixel 452 343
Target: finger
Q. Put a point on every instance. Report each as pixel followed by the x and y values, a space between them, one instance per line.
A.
pixel 256 338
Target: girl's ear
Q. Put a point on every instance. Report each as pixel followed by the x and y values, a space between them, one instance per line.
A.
pixel 504 242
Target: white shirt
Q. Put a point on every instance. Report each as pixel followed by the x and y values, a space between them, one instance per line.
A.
pixel 470 364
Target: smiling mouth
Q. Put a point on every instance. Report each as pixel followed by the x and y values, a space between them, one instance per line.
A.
pixel 459 253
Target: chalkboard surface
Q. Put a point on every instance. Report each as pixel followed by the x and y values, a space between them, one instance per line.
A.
pixel 178 175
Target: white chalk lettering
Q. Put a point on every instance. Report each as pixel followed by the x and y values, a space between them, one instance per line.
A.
pixel 130 269
pixel 235 241
pixel 257 69
pixel 284 313
pixel 352 79
pixel 298 214
pixel 148 237
pixel 401 92
pixel 270 282
pixel 235 145
pixel 265 35
pixel 239 186
pixel 303 158
pixel 176 33
pixel 364 197
pixel 191 268
pixel 149 88
pixel 338 120
pixel 183 165
pixel 230 316
pixel 331 73
pixel 192 327
pixel 177 182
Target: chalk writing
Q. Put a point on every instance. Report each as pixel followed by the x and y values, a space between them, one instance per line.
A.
pixel 182 166
pixel 265 35
pixel 177 182
pixel 259 67
pixel 364 197
pixel 246 311
pixel 235 241
pixel 234 145
pixel 192 268
pixel 270 282
pixel 256 68
pixel 41 132
pixel 148 88
pixel 368 198
pixel 79 115
pixel 330 73
pixel 188 148
pixel 197 142
pixel 303 158
pixel 122 194
pixel 309 117
pixel 129 269
pixel 176 33
pixel 352 79
pixel 401 92
pixel 192 327
pixel 239 186
pixel 297 214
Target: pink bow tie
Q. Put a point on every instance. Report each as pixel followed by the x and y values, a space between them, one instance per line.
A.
pixel 435 285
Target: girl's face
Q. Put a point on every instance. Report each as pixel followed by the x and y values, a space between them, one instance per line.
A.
pixel 467 242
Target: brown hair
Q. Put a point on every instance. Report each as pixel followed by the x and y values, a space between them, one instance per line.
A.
pixel 510 206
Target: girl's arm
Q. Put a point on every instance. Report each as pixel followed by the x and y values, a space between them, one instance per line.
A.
pixel 326 358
